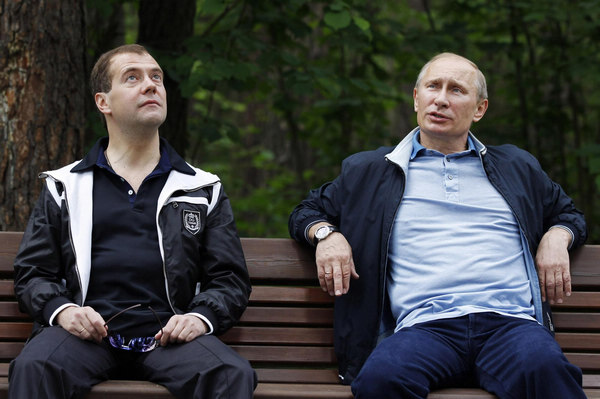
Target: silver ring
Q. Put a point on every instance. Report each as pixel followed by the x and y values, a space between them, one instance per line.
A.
pixel 82 330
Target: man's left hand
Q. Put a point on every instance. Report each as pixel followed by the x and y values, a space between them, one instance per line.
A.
pixel 552 262
pixel 180 329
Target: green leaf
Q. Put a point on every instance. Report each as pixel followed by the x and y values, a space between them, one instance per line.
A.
pixel 362 23
pixel 338 20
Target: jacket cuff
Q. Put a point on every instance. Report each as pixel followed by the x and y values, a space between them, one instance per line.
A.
pixel 207 315
pixel 54 307
pixel 205 320
pixel 307 224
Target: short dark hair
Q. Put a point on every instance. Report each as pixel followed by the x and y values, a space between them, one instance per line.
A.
pixel 100 79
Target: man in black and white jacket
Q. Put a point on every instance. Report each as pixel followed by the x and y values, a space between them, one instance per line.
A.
pixel 131 262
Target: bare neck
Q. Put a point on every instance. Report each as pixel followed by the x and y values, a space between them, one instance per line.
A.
pixel 133 160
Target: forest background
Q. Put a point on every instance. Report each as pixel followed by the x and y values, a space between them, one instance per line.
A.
pixel 272 95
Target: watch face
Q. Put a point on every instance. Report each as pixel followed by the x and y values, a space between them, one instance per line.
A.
pixel 322 232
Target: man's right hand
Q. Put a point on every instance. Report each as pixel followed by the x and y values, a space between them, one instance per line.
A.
pixel 83 322
pixel 335 265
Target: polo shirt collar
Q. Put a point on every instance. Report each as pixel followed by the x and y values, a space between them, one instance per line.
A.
pixel 169 159
pixel 418 148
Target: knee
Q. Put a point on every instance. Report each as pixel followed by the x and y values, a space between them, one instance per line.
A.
pixel 370 383
pixel 381 382
pixel 240 375
pixel 27 367
pixel 243 371
pixel 553 364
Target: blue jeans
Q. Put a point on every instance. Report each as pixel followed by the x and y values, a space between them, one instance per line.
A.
pixel 510 357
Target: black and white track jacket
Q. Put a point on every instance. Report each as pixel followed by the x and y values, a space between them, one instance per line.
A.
pixel 204 267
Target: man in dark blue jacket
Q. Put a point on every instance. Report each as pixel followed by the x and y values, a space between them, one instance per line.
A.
pixel 131 262
pixel 443 255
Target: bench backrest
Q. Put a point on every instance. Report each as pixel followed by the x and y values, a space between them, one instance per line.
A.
pixel 287 331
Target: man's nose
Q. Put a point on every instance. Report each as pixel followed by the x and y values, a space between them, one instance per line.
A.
pixel 148 84
pixel 441 99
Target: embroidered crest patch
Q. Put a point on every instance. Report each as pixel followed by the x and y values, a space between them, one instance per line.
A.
pixel 191 221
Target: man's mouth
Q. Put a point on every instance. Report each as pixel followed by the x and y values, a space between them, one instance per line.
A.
pixel 150 102
pixel 438 116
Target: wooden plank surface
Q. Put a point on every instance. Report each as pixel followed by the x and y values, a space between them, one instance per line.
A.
pixel 290 295
pixel 579 341
pixel 289 354
pixel 279 336
pixel 575 320
pixel 286 315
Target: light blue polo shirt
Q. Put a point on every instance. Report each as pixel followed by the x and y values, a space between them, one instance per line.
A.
pixel 455 247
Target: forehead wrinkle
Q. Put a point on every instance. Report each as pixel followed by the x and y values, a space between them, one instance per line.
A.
pixel 135 68
pixel 125 64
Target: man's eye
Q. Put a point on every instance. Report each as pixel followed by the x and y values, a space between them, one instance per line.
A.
pixel 157 77
pixel 131 78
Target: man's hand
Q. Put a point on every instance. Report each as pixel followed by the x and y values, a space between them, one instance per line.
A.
pixel 83 322
pixel 552 262
pixel 335 265
pixel 180 329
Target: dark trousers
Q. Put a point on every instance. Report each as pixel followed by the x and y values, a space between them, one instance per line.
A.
pixel 55 364
pixel 510 357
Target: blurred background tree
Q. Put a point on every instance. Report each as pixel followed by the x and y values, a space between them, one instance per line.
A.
pixel 272 95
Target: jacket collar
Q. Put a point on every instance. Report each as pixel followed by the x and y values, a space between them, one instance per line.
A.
pixel 91 157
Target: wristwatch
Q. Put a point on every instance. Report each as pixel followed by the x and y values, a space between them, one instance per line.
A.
pixel 323 232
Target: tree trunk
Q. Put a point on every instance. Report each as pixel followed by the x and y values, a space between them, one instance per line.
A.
pixel 163 29
pixel 42 89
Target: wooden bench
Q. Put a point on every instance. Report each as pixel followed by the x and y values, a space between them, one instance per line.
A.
pixel 287 333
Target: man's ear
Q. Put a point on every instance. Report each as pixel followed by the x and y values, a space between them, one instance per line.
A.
pixel 480 111
pixel 102 103
pixel 415 100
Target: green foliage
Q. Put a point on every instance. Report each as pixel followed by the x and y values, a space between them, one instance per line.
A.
pixel 283 90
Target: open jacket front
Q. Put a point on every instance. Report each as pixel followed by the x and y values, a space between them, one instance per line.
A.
pixel 203 264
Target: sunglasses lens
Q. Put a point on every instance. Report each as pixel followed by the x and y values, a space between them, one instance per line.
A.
pixel 142 344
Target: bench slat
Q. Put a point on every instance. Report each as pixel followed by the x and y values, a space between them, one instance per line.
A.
pixel 286 315
pixel 581 299
pixel 578 341
pixel 575 321
pixel 589 362
pixel 290 295
pixel 300 391
pixel 7 289
pixel 287 354
pixel 298 376
pixel 279 335
pixel 10 350
pixel 15 330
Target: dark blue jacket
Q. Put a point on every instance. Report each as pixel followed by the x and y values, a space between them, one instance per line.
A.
pixel 362 201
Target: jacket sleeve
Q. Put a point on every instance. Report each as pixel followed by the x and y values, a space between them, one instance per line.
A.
pixel 39 270
pixel 559 209
pixel 321 205
pixel 225 283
